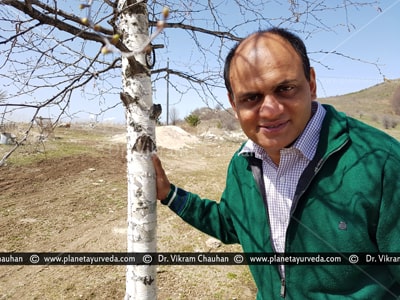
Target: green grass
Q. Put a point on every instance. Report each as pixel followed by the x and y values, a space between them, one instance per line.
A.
pixel 63 143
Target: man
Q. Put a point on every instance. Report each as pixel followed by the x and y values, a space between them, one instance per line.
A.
pixel 308 180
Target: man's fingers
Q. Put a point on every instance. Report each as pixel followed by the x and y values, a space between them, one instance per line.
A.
pixel 157 165
pixel 163 184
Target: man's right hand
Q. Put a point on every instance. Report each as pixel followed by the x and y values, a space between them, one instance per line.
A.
pixel 163 184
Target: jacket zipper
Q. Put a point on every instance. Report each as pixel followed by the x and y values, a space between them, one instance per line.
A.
pixel 283 288
pixel 318 167
pixel 316 170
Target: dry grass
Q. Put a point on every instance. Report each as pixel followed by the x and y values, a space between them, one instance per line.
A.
pixel 69 201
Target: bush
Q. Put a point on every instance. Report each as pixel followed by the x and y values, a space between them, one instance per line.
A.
pixel 193 120
pixel 389 122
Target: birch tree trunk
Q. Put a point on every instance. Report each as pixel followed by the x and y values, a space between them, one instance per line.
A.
pixel 140 122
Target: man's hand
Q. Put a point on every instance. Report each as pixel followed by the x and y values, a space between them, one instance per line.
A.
pixel 163 184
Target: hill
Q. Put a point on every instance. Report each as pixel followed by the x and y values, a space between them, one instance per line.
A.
pixel 371 104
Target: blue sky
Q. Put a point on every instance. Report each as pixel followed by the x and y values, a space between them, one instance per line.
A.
pixel 376 39
pixel 371 35
pixel 373 38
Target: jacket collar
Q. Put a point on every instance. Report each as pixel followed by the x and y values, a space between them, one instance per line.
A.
pixel 334 132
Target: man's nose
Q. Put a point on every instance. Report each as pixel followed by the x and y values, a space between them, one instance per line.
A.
pixel 270 107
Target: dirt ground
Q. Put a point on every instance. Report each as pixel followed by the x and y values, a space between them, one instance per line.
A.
pixel 69 195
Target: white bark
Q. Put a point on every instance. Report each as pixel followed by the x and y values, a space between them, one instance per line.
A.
pixel 137 98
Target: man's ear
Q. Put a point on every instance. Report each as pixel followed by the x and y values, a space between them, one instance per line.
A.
pixel 313 84
pixel 233 105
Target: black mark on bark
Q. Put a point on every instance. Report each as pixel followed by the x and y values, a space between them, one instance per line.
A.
pixel 147 280
pixel 144 144
pixel 155 111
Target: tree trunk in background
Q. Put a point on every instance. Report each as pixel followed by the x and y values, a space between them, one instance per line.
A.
pixel 137 98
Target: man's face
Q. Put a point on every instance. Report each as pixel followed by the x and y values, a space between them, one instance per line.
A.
pixel 271 95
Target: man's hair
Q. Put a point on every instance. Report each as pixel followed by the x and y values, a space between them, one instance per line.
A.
pixel 295 41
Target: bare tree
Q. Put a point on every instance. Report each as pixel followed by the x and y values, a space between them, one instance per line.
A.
pixel 396 101
pixel 49 58
pixel 2 96
pixel 174 115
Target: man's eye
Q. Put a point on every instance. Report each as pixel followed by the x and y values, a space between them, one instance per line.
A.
pixel 285 88
pixel 253 98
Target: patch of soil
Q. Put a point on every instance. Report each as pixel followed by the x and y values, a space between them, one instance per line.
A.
pixel 78 204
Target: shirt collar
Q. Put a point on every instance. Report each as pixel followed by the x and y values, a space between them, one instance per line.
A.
pixel 306 143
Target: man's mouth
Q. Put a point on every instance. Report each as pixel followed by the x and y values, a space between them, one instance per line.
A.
pixel 274 126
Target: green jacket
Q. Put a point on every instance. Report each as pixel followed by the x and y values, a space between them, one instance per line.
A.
pixel 347 201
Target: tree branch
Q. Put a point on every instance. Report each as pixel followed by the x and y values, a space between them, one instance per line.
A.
pixel 220 34
pixel 45 19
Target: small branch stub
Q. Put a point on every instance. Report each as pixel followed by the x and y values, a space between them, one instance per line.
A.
pixel 155 111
